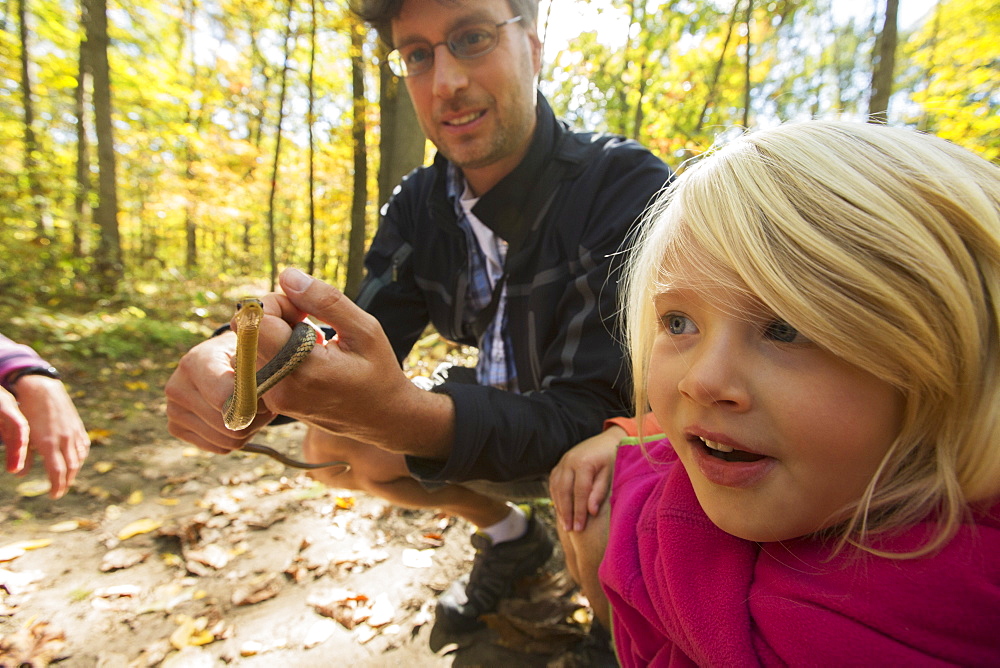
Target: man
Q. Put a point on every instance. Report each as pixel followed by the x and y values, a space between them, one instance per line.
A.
pixel 508 242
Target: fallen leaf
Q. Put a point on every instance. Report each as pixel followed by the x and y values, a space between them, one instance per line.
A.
pixel 123 557
pixel 191 632
pixel 30 488
pixel 210 555
pixel 20 581
pixel 64 527
pixel 136 385
pixel 37 646
pixel 319 632
pixel 98 435
pixel 116 591
pixel 12 551
pixel 418 558
pixel 137 527
pixel 135 498
pixel 103 466
pixel 256 591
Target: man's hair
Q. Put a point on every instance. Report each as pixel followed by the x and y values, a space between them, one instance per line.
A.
pixel 882 246
pixel 380 13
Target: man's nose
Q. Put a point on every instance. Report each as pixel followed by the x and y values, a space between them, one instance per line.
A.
pixel 449 72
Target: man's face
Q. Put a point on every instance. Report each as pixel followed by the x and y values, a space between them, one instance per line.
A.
pixel 480 112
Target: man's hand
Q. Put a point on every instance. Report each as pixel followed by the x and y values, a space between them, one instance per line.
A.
pixel 55 431
pixel 196 393
pixel 579 483
pixel 351 385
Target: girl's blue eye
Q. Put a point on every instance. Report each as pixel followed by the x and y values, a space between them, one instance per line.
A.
pixel 779 330
pixel 677 324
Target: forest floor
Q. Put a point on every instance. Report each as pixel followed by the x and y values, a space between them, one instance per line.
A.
pixel 164 555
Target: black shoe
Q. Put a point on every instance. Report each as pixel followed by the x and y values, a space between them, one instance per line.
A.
pixel 494 572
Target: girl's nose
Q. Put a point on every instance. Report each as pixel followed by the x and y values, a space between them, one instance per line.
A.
pixel 716 374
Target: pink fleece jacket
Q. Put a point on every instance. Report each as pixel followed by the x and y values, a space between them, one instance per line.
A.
pixel 683 592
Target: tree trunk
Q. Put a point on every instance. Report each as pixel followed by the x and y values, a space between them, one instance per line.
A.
pixel 30 141
pixel 271 234
pixel 717 72
pixel 883 65
pixel 356 241
pixel 81 195
pixel 401 144
pixel 108 261
pixel 310 121
pixel 748 84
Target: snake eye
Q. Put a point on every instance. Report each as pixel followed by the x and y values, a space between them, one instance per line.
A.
pixel 239 305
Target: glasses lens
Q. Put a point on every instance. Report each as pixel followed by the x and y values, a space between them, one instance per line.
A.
pixel 472 41
pixel 395 62
pixel 411 60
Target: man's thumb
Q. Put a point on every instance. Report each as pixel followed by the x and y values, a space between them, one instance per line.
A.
pixel 312 296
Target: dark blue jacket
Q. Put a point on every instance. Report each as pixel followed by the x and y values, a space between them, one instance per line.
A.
pixel 566 212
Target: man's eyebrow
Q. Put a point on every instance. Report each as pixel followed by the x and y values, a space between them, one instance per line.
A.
pixel 474 16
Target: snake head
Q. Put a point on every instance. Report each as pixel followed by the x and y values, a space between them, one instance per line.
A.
pixel 249 312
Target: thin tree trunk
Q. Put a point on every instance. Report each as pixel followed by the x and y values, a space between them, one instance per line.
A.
pixel 356 241
pixel 81 196
pixel 109 251
pixel 310 122
pixel 925 118
pixel 717 72
pixel 186 36
pixel 271 235
pixel 748 83
pixel 883 65
pixel 401 142
pixel 30 141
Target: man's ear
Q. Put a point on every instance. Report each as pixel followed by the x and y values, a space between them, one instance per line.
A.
pixel 536 51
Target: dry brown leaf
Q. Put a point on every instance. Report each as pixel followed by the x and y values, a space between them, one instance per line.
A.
pixel 257 591
pixel 123 557
pixel 210 555
pixel 37 646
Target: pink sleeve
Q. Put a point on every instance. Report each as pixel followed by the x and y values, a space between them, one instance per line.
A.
pixel 14 356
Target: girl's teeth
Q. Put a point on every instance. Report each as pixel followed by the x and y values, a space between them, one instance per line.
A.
pixel 717 446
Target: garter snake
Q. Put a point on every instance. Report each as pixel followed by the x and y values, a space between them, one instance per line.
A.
pixel 241 408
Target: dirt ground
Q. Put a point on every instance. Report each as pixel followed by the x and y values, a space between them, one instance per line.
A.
pixel 163 555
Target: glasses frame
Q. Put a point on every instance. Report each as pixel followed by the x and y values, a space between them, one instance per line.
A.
pixel 396 63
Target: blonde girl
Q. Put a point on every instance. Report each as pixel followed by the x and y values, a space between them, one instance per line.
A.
pixel 813 317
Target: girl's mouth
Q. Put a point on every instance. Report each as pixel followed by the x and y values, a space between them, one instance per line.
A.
pixel 728 453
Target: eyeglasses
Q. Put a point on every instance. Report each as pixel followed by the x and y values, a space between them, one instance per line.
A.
pixel 467 42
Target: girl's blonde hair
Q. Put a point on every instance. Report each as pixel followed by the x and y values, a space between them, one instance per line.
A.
pixel 881 245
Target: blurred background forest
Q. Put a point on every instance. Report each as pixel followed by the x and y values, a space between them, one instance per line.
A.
pixel 162 151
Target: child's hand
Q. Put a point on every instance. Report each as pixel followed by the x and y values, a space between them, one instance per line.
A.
pixel 579 483
pixel 13 432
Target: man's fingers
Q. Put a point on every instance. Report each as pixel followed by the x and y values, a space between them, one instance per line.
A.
pixel 325 303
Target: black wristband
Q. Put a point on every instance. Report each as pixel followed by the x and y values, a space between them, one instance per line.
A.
pixel 18 374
